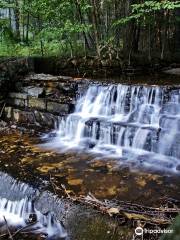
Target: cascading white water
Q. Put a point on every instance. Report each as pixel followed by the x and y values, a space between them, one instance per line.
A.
pixel 132 123
pixel 17 215
pixel 19 209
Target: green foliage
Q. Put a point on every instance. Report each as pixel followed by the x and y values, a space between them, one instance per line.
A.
pixel 72 27
pixel 5 4
pixel 142 10
pixel 151 6
pixel 53 25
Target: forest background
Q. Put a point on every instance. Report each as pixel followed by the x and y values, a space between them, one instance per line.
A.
pixel 104 29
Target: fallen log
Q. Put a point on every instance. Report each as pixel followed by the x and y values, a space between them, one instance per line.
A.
pixel 128 211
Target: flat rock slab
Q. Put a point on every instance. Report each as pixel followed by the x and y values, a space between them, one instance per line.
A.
pixel 46 77
pixel 33 91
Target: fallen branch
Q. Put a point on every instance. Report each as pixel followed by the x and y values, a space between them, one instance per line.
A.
pixel 21 230
pixel 128 211
pixel 4 105
pixel 52 184
pixel 3 235
pixel 8 230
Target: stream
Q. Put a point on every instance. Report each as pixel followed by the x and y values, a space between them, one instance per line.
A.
pixel 121 142
pixel 135 124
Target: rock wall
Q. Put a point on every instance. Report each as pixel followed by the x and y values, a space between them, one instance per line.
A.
pixel 40 100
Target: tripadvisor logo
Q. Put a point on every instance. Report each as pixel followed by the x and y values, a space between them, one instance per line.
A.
pixel 139 231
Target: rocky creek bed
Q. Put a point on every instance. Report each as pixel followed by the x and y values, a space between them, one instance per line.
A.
pixel 36 104
pixel 66 220
pixel 46 171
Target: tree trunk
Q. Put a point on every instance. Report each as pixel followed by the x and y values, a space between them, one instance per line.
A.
pixel 86 43
pixel 27 28
pixel 177 33
pixel 95 27
pixel 17 22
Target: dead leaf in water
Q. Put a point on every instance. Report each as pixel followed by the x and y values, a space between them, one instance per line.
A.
pixel 46 167
pixel 141 182
pixel 74 182
pixel 112 190
pixel 135 216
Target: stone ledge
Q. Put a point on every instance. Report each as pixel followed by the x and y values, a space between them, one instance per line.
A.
pixel 43 104
pixel 33 91
pixel 58 108
pixel 37 103
pixel 47 77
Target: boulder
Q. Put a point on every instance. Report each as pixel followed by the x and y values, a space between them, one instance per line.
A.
pixel 46 119
pixel 23 116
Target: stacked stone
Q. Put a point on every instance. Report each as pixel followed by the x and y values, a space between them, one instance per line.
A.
pixel 41 100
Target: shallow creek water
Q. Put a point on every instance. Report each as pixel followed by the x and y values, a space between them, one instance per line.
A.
pixel 126 123
pixel 83 173
pixel 24 159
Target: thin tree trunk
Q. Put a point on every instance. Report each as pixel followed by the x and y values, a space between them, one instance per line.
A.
pixel 41 42
pixel 27 28
pixel 95 28
pixel 10 16
pixel 17 18
pixel 86 43
pixel 23 23
pixel 149 43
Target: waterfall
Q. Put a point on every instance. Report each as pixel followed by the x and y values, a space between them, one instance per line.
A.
pixel 19 213
pixel 18 202
pixel 127 122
